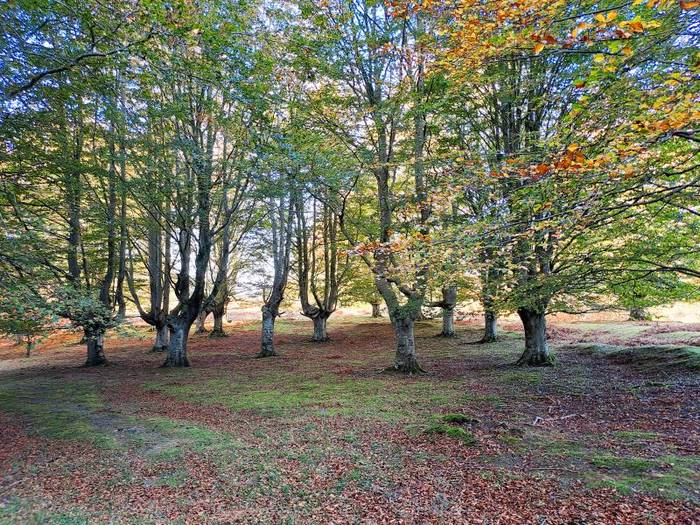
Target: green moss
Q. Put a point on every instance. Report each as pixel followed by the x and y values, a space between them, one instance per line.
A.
pixel 530 376
pixel 460 419
pixel 17 511
pixel 659 357
pixel 58 410
pixel 635 435
pixel 673 477
pixel 627 463
pixel 651 358
pixel 452 432
pixel 563 447
pixel 174 479
pixel 174 437
pixel 511 440
pixel 287 395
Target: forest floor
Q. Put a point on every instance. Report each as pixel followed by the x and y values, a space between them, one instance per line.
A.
pixel 611 434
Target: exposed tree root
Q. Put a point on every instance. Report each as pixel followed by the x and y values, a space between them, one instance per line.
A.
pixel 535 359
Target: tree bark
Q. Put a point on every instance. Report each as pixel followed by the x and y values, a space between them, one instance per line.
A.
pixel 376 312
pixel 267 346
pixel 162 336
pixel 30 347
pixel 536 348
pixel 177 349
pixel 490 327
pixel 448 322
pixel 320 332
pixel 95 349
pixel 406 360
pixel 201 319
pixel 218 330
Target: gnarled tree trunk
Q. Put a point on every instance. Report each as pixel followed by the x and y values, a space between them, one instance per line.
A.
pixel 376 312
pixel 267 346
pixel 281 220
pixel 490 327
pixel 201 319
pixel 448 304
pixel 177 349
pixel 162 338
pixel 320 332
pixel 95 349
pixel 448 322
pixel 218 312
pixel 406 359
pixel 536 348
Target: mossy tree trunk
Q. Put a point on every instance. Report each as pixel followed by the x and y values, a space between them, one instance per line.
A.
pixel 200 323
pixel 267 343
pixel 219 312
pixel 490 327
pixel 536 348
pixel 282 225
pixel 177 349
pixel 162 338
pixel 320 332
pixel 406 359
pixel 95 349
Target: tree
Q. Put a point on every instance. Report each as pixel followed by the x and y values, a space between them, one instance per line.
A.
pixel 320 268
pixel 583 142
pixel 25 315
pixel 366 85
pixel 281 224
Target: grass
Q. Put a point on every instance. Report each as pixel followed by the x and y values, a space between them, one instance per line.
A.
pixel 59 410
pixel 287 394
pixel 285 439
pixel 459 419
pixel 607 461
pixel 674 477
pixel 451 431
pixel 635 435
pixel 659 356
pixel 652 357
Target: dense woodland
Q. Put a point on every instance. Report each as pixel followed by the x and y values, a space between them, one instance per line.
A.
pixel 535 157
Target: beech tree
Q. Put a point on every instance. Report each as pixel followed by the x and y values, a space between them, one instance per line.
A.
pixel 566 171
pixel 321 267
pixel 281 228
pixel 364 74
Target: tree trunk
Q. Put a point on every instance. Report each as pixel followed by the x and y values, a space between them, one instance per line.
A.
pixel 376 312
pixel 406 359
pixel 448 322
pixel 490 327
pixel 267 347
pixel 638 313
pixel 161 344
pixel 218 330
pixel 201 319
pixel 536 348
pixel 320 333
pixel 95 350
pixel 30 347
pixel 177 349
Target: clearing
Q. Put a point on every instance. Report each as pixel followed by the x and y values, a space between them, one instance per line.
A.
pixel 318 435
